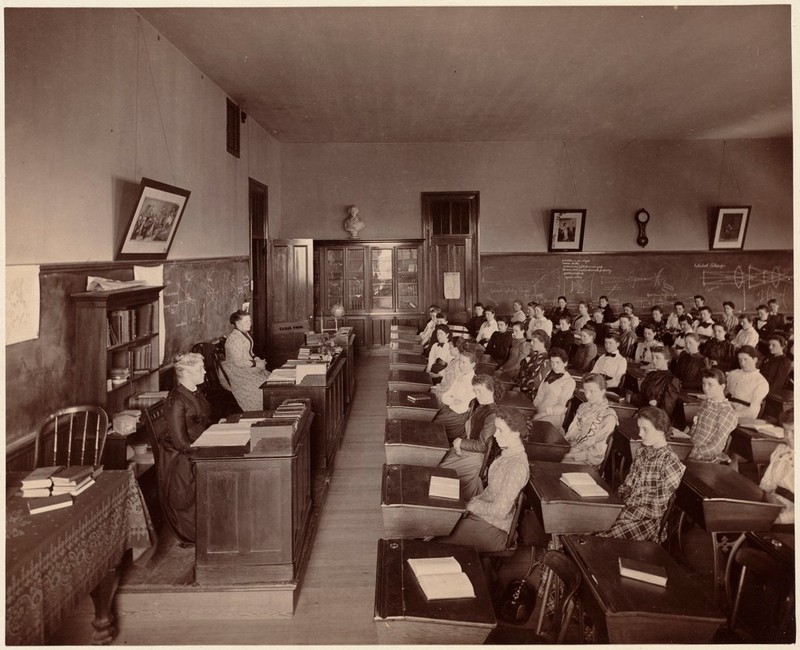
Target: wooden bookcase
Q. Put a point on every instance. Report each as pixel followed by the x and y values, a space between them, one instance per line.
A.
pixel 378 282
pixel 116 329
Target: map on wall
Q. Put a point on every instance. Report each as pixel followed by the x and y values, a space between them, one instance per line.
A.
pixel 22 303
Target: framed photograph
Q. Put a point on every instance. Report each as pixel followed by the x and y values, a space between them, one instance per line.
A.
pixel 731 227
pixel 566 230
pixel 154 221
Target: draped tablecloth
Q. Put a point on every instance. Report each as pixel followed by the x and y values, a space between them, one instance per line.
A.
pixel 54 559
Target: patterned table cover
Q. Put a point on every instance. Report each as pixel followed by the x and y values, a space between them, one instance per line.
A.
pixel 54 559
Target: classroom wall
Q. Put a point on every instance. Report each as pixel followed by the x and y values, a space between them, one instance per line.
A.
pixel 678 182
pixel 97 99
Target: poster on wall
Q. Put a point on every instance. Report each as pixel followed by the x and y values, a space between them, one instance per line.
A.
pixel 22 303
pixel 452 286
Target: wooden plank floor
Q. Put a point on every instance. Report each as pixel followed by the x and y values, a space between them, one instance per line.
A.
pixel 335 605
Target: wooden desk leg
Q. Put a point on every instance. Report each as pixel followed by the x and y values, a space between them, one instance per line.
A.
pixel 103 597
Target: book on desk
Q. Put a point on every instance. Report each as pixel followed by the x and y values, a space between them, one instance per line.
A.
pixel 441 578
pixel 643 571
pixel 583 484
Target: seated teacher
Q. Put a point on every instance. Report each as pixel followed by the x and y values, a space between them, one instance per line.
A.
pixel 187 415
pixel 246 372
pixel 489 514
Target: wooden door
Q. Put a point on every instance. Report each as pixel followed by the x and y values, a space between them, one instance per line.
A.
pixel 291 297
pixel 450 225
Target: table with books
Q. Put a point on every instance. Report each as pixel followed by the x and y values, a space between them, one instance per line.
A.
pixel 448 603
pixel 55 557
pixel 407 405
pixel 664 603
pixel 755 440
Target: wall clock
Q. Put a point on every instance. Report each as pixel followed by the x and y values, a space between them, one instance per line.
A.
pixel 642 217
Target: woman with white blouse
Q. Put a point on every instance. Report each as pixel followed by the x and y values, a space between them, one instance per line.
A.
pixel 747 335
pixel 555 391
pixel 747 388
pixel 440 354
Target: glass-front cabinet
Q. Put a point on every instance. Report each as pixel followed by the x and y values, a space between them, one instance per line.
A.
pixel 378 283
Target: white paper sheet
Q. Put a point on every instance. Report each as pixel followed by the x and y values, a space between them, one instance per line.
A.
pixel 22 303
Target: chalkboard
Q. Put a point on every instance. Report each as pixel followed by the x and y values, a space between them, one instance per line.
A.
pixel 199 297
pixel 747 278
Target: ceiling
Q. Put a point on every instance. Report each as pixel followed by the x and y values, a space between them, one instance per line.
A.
pixel 457 74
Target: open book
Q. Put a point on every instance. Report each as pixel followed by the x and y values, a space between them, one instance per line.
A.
pixel 441 578
pixel 583 484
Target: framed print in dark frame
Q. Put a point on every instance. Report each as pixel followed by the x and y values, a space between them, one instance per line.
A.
pixel 731 227
pixel 566 230
pixel 154 221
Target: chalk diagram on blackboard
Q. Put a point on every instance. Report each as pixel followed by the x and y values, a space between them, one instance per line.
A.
pixel 766 283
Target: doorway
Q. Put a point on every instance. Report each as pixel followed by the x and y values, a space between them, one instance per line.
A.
pixel 259 241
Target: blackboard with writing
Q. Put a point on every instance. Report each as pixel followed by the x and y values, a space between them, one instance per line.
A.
pixel 747 278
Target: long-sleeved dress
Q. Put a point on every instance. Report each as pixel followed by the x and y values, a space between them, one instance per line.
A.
pixel 661 386
pixel 746 391
pixel 721 354
pixel 655 475
pixel 688 368
pixel 532 371
pixel 468 464
pixel 709 433
pixel 583 357
pixel 776 371
pixel 563 340
pixel 245 372
pixel 588 433
pixel 552 398
pixel 627 344
pixel 499 346
pixel 520 349
pixel 187 415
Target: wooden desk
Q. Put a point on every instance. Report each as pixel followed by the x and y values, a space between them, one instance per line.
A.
pixel 545 442
pixel 504 378
pixel 753 446
pixel 486 368
pixel 406 346
pixel 405 334
pixel 400 360
pixel 629 611
pixel 330 407
pixel 517 400
pixel 561 510
pixel 253 511
pixel 54 559
pixel 720 501
pixel 410 380
pixel 625 444
pixel 399 408
pixel 404 616
pixel 407 509
pixel 778 545
pixel 777 402
pixel 413 442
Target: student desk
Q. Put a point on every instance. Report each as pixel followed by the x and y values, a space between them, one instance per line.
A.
pixel 721 501
pixel 778 545
pixel 414 443
pixel 410 380
pixel 504 378
pixel 487 368
pixel 777 402
pixel 407 509
pixel 753 446
pixel 398 407
pixel 545 442
pixel 562 510
pixel 403 333
pixel 400 360
pixel 404 616
pixel 516 399
pixel 54 559
pixel 623 409
pixel 625 444
pixel 406 346
pixel 624 610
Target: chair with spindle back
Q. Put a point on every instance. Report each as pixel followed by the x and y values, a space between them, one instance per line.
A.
pixel 71 436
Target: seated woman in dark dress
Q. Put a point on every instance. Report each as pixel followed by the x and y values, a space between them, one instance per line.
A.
pixel 187 414
pixel 659 387
pixel 690 364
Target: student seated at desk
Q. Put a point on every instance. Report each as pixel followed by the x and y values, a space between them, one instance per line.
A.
pixel 427 331
pixel 643 349
pixel 601 329
pixel 560 310
pixel 778 479
pixel 689 364
pixel 537 321
pixel 187 415
pixel 747 388
pixel 654 476
pixel 627 338
pixel 775 318
pixel 679 342
pixel 777 367
pixel 454 413
pixel 441 319
pixel 633 319
pixel 583 355
pixel 592 425
pixel 440 355
pixel 719 350
pixel 704 326
pixel 466 454
pixel 657 322
pixel 611 365
pixel 474 323
pixel 488 520
pixel 608 313
pixel 659 387
pixel 747 335
pixel 729 318
pixel 488 328
pixel 555 391
pixel 246 372
pixel 453 369
pixel 582 318
pixel 517 313
pixel 714 421
pixel 499 344
pixel 519 349
pixel 534 368
pixel 673 324
pixel 562 335
pixel 763 328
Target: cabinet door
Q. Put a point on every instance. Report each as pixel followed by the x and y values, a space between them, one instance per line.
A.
pixel 334 278
pixel 408 278
pixel 355 279
pixel 382 279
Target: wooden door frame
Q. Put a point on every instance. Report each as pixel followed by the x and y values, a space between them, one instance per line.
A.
pixel 259 232
pixel 427 234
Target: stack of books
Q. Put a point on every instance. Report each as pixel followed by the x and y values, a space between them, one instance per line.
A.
pixel 291 409
pixel 73 480
pixel 37 484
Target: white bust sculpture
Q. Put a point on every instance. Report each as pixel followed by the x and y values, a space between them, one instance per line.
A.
pixel 353 223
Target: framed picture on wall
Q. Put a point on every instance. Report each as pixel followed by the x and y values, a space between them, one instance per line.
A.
pixel 731 227
pixel 154 221
pixel 566 230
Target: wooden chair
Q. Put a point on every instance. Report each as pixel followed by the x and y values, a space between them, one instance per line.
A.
pixel 71 436
pixel 156 430
pixel 488 456
pixel 217 386
pixel 492 559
